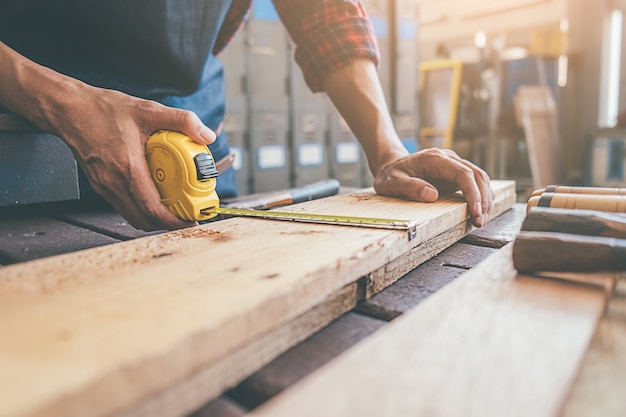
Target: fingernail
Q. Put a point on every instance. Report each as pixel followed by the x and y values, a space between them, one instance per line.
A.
pixel 207 134
pixel 428 194
pixel 478 209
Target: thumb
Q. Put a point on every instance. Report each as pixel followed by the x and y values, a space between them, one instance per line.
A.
pixel 189 123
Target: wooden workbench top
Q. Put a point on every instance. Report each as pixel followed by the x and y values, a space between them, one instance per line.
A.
pixel 342 313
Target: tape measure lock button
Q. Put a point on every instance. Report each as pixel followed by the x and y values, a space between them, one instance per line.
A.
pixel 205 166
pixel 184 173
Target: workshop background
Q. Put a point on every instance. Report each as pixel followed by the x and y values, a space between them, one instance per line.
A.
pixel 241 316
pixel 529 89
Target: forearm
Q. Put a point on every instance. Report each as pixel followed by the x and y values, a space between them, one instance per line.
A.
pixel 356 92
pixel 34 92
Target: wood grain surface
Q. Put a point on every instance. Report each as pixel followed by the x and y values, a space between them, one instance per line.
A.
pixel 101 331
pixel 498 344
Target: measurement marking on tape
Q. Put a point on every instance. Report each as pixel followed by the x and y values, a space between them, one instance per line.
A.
pixel 372 222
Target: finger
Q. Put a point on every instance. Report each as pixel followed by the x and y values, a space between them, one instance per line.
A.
pixel 483 183
pixel 148 201
pixel 467 183
pixel 137 204
pixel 110 187
pixel 401 184
pixel 124 204
pixel 192 126
pixel 184 121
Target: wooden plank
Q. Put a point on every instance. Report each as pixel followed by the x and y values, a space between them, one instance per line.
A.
pixel 497 345
pixel 125 322
pixel 424 281
pixel 501 230
pixel 220 407
pixel 106 222
pixel 301 360
pixel 599 389
pixel 392 271
pixel 33 238
pixel 207 383
pixel 383 277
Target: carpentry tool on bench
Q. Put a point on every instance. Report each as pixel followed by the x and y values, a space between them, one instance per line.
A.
pixel 554 239
pixel 573 229
pixel 584 198
pixel 566 189
pixel 185 175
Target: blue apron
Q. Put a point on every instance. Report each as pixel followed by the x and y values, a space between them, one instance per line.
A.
pixel 158 50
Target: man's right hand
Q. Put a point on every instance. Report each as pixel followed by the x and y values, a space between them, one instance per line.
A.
pixel 107 131
pixel 107 134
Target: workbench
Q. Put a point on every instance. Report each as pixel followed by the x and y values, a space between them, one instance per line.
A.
pixel 30 233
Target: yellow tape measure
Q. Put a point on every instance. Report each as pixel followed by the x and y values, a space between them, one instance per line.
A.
pixel 185 175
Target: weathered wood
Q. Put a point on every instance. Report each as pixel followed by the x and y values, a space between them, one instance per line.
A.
pixel 581 222
pixel 602 280
pixel 126 322
pixel 424 281
pixel 383 277
pixel 497 345
pixel 599 389
pixel 499 231
pixel 24 239
pixel 106 222
pixel 304 358
pixel 220 407
pixel 551 251
pixel 212 380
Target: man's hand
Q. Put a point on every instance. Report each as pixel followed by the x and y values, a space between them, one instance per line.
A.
pixel 106 130
pixel 356 92
pixel 420 176
pixel 108 135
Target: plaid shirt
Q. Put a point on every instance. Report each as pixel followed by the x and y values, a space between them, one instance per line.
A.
pixel 327 33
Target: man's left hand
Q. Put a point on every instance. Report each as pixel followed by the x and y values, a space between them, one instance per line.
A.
pixel 422 175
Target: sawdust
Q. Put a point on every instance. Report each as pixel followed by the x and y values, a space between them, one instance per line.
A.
pixel 363 197
pixel 202 233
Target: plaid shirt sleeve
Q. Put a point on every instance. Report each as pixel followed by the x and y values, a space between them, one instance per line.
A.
pixel 233 21
pixel 328 34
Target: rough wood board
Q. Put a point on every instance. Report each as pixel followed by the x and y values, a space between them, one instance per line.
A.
pixel 106 222
pixel 28 239
pixel 383 277
pixel 600 388
pixel 188 395
pixel 499 231
pixel 424 281
pixel 301 360
pixel 497 345
pixel 127 321
pixel 220 407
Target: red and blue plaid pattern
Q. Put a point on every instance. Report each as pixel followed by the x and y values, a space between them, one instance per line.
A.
pixel 327 33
